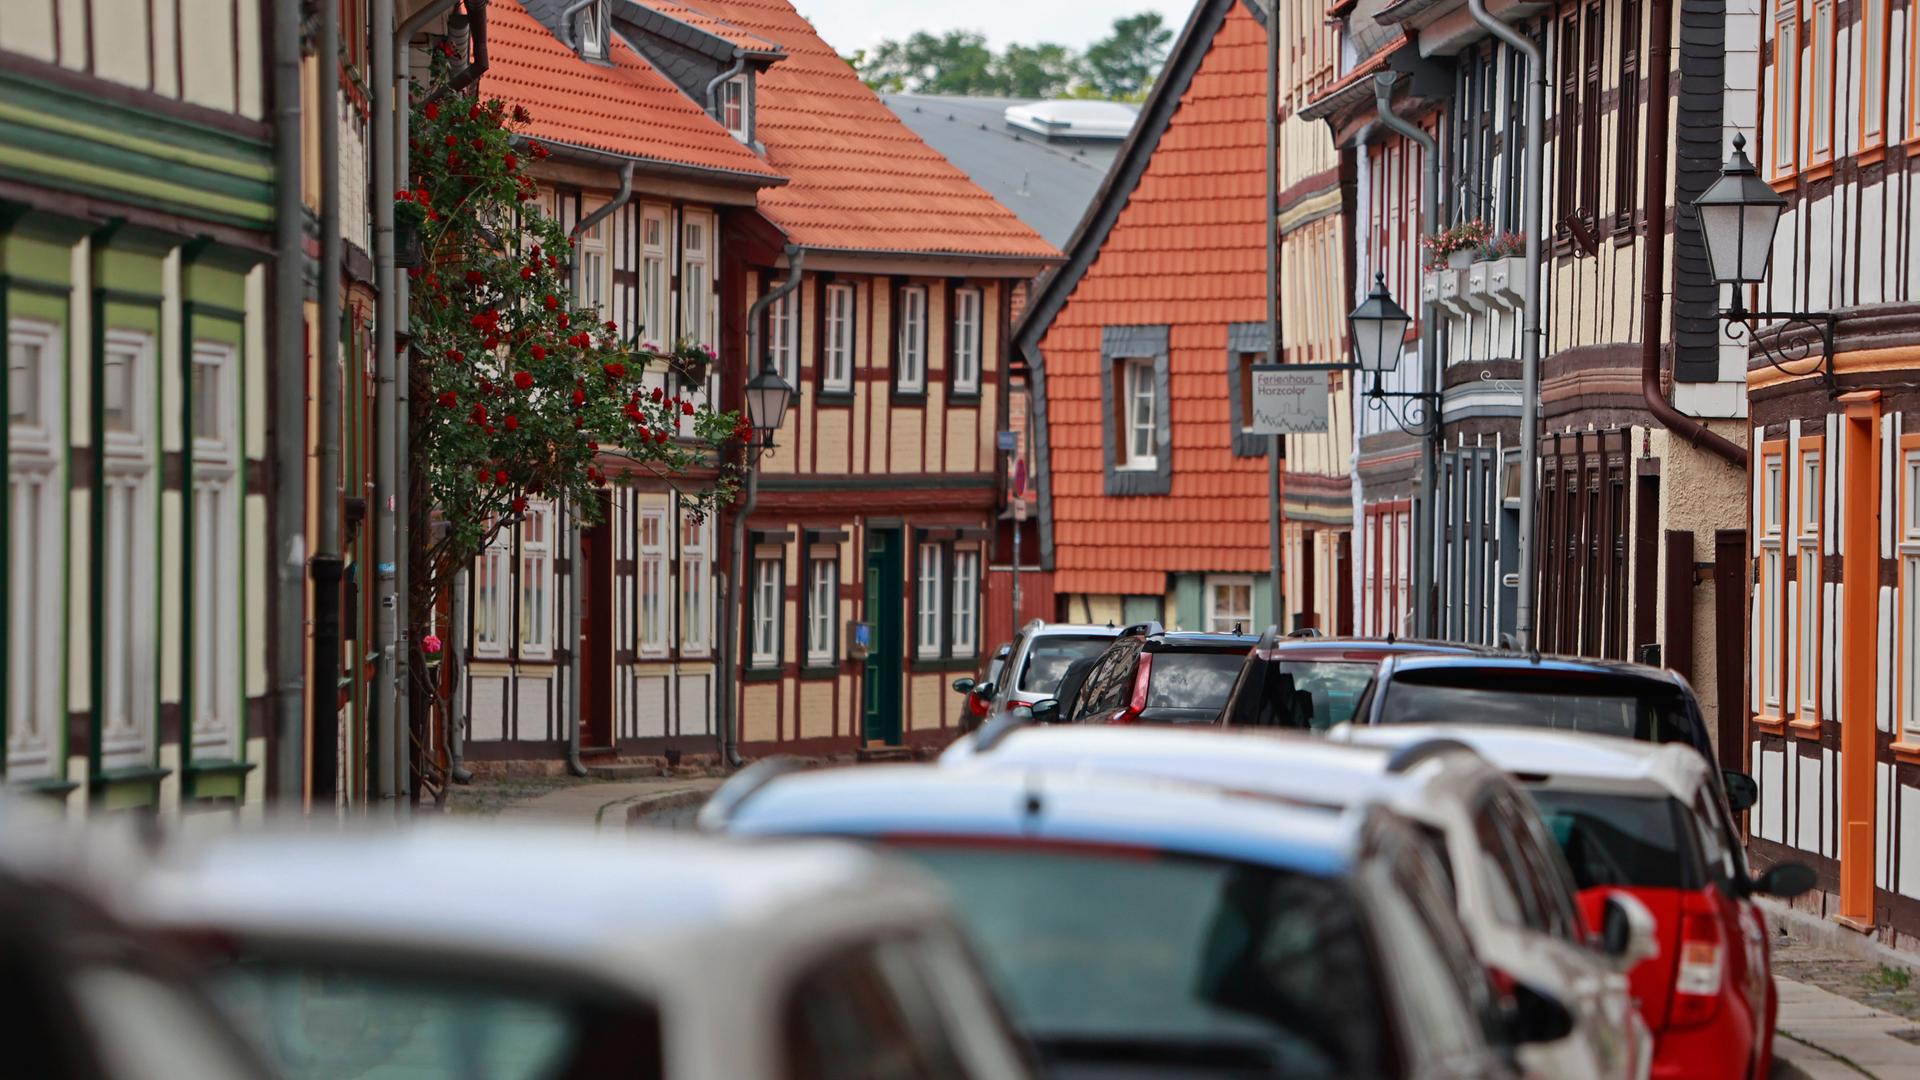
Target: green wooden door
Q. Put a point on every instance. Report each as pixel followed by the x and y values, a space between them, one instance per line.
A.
pixel 884 656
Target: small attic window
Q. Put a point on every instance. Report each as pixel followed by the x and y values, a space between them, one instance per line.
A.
pixel 591 30
pixel 735 103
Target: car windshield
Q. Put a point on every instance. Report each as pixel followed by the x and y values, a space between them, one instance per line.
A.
pixel 1334 684
pixel 1049 657
pixel 1192 680
pixel 1169 960
pixel 1635 841
pixel 1499 696
pixel 317 1023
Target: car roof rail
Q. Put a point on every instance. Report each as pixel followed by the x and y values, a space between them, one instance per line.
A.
pixel 1305 632
pixel 745 784
pixel 1148 628
pixel 1406 757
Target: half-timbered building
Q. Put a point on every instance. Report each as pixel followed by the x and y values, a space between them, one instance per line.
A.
pixel 136 209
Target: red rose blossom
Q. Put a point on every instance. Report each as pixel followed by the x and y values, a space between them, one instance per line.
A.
pixel 448 399
pixel 551 301
pixel 520 504
pixel 523 380
pixel 500 478
pixel 538 352
pixel 433 111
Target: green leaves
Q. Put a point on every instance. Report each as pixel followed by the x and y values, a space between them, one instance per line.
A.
pixel 1121 66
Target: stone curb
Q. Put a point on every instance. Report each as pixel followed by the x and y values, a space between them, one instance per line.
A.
pixel 1827 934
pixel 664 802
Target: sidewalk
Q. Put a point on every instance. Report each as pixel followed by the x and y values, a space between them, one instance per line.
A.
pixel 1845 1012
pixel 608 804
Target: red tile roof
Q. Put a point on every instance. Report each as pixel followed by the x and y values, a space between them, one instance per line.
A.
pixel 1185 251
pixel 706 23
pixel 860 180
pixel 600 107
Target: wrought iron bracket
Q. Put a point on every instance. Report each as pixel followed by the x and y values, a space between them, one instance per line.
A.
pixel 1780 346
pixel 1418 417
pixel 1501 385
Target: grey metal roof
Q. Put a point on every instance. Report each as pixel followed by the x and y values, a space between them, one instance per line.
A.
pixel 1048 183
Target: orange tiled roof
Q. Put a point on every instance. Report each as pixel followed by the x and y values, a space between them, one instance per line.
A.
pixel 625 107
pixel 1185 251
pixel 706 23
pixel 859 180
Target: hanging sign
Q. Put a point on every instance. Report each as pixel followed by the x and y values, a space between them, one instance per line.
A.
pixel 1287 401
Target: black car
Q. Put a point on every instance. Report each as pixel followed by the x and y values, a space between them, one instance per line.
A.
pixel 1602 697
pixel 1150 675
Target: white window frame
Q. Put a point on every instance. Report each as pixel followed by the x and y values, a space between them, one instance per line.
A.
pixel 1772 579
pixel 783 335
pixel 654 585
pixel 928 609
pixel 769 588
pixel 1221 618
pixel 1909 602
pixel 493 597
pixel 964 637
pixel 696 279
pixel 1809 473
pixel 910 341
pixel 37 496
pixel 593 267
pixel 537 527
pixel 656 288
pixel 836 371
pixel 216 538
pixel 823 608
pixel 695 588
pixel 1141 434
pixel 968 303
pixel 736 104
pixel 129 642
pixel 591 30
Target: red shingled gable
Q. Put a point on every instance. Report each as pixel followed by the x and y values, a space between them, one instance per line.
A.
pixel 860 180
pixel 1186 252
pixel 625 107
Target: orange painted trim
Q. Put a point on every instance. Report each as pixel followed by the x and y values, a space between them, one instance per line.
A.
pixel 1772 725
pixel 1801 729
pixel 1906 752
pixel 1873 144
pixel 1818 172
pixel 1859 655
pixel 1822 161
pixel 1782 169
pixel 1873 156
pixel 1812 448
pixel 1774 453
pixel 1787 184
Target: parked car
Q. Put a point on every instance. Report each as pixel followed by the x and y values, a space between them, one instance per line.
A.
pixel 83 995
pixel 440 951
pixel 1602 697
pixel 978 693
pixel 1151 929
pixel 1514 892
pixel 1040 658
pixel 1315 682
pixel 1648 819
pixel 1149 675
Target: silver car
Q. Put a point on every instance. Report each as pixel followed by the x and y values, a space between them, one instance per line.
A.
pixel 1040 658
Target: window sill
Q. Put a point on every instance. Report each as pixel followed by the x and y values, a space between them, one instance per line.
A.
pixel 826 398
pixel 1905 751
pixel 1872 155
pixel 1805 729
pixel 1818 172
pixel 957 396
pixel 1138 466
pixel 1784 184
pixel 1772 725
pixel 820 670
pixel 903 396
pixel 944 663
pixel 762 674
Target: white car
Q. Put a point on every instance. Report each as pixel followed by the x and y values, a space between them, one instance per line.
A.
pixel 1512 887
pixel 446 951
pixel 1040 658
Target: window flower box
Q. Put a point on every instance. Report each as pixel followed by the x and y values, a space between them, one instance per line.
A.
pixel 1506 281
pixel 1430 286
pixel 1455 295
pixel 1477 283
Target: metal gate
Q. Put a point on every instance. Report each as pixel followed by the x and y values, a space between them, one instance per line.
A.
pixel 1471 499
pixel 1581 606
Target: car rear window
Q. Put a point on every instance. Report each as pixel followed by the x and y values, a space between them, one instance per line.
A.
pixel 1192 680
pixel 1636 841
pixel 1498 696
pixel 1334 684
pixel 1168 961
pixel 1049 657
pixel 320 1023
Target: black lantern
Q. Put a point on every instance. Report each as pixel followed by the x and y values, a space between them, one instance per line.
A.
pixel 1379 325
pixel 1738 215
pixel 768 397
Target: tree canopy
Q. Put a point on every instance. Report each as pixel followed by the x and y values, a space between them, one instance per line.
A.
pixel 1120 66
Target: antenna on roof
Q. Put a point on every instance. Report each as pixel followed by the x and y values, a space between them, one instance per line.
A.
pixel 1025 176
pixel 1236 628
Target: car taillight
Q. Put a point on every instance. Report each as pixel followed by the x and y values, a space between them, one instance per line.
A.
pixel 1702 967
pixel 1138 705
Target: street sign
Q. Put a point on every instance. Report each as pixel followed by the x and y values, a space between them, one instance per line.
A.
pixel 1288 402
pixel 1006 439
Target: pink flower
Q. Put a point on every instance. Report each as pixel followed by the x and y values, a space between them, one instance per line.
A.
pixel 430 644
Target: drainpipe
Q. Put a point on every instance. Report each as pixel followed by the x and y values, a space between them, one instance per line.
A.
pixel 456 702
pixel 729 726
pixel 1276 509
pixel 386 447
pixel 576 591
pixel 713 86
pixel 289 410
pixel 476 24
pixel 1653 278
pixel 326 566
pixel 1424 548
pixel 1531 182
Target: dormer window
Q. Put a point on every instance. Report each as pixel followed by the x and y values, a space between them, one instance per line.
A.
pixel 734 106
pixel 590 30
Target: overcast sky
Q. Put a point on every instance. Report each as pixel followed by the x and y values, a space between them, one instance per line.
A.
pixel 861 24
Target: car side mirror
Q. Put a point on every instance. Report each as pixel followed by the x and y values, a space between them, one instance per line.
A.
pixel 1786 880
pixel 963 686
pixel 984 690
pixel 1742 792
pixel 1536 1016
pixel 1628 933
pixel 1045 711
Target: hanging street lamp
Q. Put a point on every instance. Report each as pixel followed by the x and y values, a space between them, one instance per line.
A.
pixel 1379 328
pixel 768 398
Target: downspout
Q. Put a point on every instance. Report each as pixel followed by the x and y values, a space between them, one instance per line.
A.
pixel 1531 181
pixel 1429 539
pixel 713 85
pixel 736 557
pixel 477 65
pixel 1653 278
pixel 326 566
pixel 289 411
pixel 1276 494
pixel 456 710
pixel 576 591
pixel 386 446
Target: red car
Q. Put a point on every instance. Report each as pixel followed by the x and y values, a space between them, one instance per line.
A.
pixel 1649 819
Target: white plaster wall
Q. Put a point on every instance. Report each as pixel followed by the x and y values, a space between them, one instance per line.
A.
pixel 28 29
